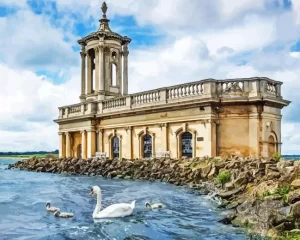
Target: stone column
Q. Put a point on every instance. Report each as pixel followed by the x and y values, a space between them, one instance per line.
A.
pixel 119 74
pixel 89 74
pixel 68 145
pixel 100 140
pixel 97 69
pixel 62 145
pixel 101 68
pixel 107 69
pixel 91 143
pixel 83 54
pixel 83 144
pixel 125 70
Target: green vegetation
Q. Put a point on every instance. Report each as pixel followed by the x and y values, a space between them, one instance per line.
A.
pixel 40 154
pixel 277 156
pixel 281 191
pixel 223 177
pixel 289 236
pixel 196 165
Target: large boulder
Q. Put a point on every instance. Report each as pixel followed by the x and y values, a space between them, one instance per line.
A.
pixel 205 170
pixel 295 210
pixel 296 183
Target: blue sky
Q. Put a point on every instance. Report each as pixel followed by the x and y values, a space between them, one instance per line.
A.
pixel 173 41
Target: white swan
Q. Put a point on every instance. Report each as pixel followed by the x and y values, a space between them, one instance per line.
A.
pixel 153 206
pixel 51 209
pixel 114 210
pixel 63 214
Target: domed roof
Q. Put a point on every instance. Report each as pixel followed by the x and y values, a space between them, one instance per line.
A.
pixel 104 31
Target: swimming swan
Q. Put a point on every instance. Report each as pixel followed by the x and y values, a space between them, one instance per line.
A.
pixel 51 209
pixel 63 214
pixel 153 206
pixel 114 210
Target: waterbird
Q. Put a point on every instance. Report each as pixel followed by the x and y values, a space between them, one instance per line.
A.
pixel 112 211
pixel 51 209
pixel 63 214
pixel 154 205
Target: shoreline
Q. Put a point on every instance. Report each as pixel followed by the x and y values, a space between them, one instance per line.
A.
pixel 261 195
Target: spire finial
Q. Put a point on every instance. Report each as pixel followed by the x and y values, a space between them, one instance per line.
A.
pixel 104 9
pixel 104 21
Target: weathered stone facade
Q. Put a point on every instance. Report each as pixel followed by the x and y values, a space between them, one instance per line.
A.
pixel 203 118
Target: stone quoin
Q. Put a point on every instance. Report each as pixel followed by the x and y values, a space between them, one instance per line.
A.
pixel 209 117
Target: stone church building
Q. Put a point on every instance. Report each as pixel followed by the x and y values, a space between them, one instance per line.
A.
pixel 203 118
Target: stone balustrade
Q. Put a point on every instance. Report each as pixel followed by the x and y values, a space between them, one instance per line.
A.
pixel 185 90
pixel 208 88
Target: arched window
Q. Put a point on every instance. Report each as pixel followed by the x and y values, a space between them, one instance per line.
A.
pixel 113 75
pixel 147 142
pixel 116 147
pixel 187 144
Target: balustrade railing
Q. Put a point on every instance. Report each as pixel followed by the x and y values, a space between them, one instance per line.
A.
pixel 186 90
pixel 75 109
pixel 271 88
pixel 209 88
pixel 114 103
pixel 232 86
pixel 146 97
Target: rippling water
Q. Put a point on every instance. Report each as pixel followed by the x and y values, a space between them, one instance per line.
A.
pixel 22 209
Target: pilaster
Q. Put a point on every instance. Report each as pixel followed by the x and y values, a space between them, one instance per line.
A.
pixel 62 145
pixel 83 145
pixel 164 137
pixel 129 139
pixel 91 143
pixel 194 143
pixel 68 144
pixel 100 140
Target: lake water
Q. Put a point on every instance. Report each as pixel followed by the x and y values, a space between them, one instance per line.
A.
pixel 23 216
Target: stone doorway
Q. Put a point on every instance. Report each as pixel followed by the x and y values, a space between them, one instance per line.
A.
pixel 115 147
pixel 147 142
pixel 187 144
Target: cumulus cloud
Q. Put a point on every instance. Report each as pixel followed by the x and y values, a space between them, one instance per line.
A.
pixel 203 39
pixel 29 41
pixel 28 104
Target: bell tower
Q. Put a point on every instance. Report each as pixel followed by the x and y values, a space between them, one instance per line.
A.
pixel 104 62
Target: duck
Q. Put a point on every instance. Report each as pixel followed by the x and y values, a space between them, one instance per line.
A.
pixel 153 206
pixel 63 214
pixel 51 209
pixel 112 211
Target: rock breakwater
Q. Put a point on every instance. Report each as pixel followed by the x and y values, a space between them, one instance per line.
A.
pixel 262 195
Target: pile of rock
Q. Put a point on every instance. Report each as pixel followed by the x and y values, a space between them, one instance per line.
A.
pixel 261 194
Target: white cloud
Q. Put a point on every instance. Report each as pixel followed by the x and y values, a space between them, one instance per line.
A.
pixel 202 38
pixel 28 104
pixel 30 41
pixel 296 9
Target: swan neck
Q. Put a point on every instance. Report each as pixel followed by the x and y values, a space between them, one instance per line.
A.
pixel 99 200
